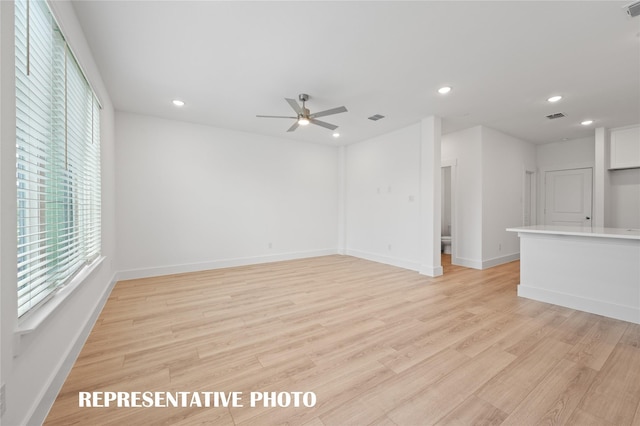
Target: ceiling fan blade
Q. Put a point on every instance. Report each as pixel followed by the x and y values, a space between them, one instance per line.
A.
pixel 275 116
pixel 331 111
pixel 296 107
pixel 322 123
pixel 293 127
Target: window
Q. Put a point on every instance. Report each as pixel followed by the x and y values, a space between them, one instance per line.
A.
pixel 57 159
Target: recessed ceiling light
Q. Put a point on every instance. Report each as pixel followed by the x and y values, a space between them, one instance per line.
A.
pixel 336 135
pixel 444 90
pixel 586 122
pixel 555 98
pixel 178 102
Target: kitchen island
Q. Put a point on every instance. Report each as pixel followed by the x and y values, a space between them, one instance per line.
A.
pixel 595 270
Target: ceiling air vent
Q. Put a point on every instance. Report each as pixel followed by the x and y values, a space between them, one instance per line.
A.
pixel 556 115
pixel 633 9
pixel 376 117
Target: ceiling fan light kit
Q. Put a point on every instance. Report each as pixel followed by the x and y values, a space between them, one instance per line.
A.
pixel 304 116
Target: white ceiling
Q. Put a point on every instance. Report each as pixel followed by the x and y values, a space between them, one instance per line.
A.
pixel 232 60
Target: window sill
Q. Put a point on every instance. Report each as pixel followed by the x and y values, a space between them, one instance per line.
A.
pixel 34 319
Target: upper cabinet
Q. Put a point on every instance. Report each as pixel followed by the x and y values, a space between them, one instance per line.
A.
pixel 625 148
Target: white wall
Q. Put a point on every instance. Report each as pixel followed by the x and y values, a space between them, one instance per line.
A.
pixel 624 198
pixel 488 196
pixel 566 154
pixel 601 211
pixel 504 162
pixel 42 358
pixel 382 198
pixel 622 203
pixel 465 148
pixel 430 196
pixel 193 197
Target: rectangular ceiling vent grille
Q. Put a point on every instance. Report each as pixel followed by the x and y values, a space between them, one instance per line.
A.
pixel 376 117
pixel 556 115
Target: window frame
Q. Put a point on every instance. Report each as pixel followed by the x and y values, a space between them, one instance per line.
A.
pixel 81 242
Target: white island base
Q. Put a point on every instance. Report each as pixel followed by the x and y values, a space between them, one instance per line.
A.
pixel 594 270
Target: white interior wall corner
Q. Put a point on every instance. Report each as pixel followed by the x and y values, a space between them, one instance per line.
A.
pixel 430 195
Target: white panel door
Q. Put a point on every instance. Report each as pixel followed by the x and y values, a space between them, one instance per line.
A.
pixel 568 195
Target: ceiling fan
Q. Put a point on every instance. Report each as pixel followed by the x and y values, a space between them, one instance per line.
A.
pixel 304 116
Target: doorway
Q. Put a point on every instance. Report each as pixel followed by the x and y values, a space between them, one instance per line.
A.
pixel 568 197
pixel 448 214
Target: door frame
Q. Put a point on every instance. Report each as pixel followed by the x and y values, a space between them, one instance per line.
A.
pixel 533 196
pixel 453 163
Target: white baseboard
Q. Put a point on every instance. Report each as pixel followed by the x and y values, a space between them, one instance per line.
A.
pixel 467 263
pixel 387 260
pixel 132 274
pixel 500 260
pixel 484 264
pixel 430 271
pixel 607 309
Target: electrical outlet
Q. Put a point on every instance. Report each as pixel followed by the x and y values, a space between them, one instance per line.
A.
pixel 389 247
pixel 270 245
pixel 3 401
pixel 499 246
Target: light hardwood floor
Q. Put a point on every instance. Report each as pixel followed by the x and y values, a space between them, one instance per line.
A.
pixel 377 344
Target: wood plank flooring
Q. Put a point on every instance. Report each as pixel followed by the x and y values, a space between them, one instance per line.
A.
pixel 377 344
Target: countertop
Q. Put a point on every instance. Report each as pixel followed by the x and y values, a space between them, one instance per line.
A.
pixel 620 233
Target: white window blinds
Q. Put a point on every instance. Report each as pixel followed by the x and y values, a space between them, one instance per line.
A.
pixel 57 158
